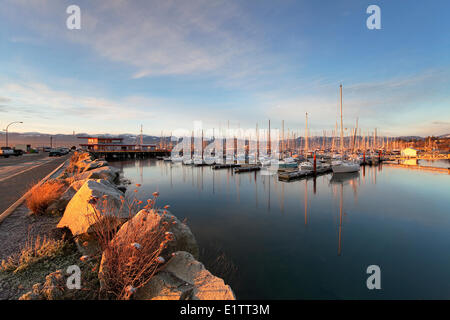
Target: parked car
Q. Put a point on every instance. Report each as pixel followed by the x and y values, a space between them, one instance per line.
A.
pixel 18 152
pixel 65 150
pixel 6 152
pixel 55 153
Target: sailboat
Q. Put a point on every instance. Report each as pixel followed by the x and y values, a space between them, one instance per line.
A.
pixel 344 166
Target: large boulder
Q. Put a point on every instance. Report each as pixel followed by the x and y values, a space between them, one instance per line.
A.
pixel 107 173
pixel 147 221
pixel 184 278
pixel 59 205
pixel 88 164
pixel 94 165
pixel 79 215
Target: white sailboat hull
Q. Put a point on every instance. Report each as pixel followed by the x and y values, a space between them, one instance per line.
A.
pixel 345 167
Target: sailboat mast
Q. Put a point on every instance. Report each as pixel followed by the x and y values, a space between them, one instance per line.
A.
pixel 142 142
pixel 268 142
pixel 306 135
pixel 342 125
pixel 282 137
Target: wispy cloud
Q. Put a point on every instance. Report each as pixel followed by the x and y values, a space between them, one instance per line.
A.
pixel 40 99
pixel 171 37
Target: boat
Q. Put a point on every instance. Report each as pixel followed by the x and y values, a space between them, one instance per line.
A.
pixel 305 166
pixel 344 166
pixel 210 160
pixel 287 163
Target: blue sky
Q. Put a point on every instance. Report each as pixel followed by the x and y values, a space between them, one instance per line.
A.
pixel 164 64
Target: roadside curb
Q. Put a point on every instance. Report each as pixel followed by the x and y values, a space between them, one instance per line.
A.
pixel 14 206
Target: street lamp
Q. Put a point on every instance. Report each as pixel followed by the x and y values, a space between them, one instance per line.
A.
pixel 7 130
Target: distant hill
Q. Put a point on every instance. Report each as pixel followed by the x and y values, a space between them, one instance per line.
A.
pixel 411 138
pixel 37 139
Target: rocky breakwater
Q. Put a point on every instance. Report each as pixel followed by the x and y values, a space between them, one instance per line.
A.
pixel 143 253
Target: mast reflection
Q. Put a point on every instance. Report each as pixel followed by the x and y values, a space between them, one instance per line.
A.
pixel 341 179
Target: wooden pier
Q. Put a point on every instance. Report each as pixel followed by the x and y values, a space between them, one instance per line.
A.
pixel 130 154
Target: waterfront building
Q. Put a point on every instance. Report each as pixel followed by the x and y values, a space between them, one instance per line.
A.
pixel 112 144
pixel 409 152
pixel 105 144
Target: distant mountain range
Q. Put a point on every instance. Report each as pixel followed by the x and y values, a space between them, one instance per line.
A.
pixel 37 139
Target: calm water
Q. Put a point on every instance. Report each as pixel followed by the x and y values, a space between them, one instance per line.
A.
pixel 435 163
pixel 292 241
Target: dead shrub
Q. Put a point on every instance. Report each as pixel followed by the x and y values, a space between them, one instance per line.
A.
pixel 131 262
pixel 41 196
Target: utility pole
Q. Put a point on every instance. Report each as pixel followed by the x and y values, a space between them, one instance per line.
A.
pixel 7 130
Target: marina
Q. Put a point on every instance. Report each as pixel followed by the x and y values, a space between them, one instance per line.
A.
pixel 294 237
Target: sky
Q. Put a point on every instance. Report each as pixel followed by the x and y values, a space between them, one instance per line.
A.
pixel 165 64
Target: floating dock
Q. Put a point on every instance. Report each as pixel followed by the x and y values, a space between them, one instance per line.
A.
pixel 130 154
pixel 300 174
pixel 225 166
pixel 246 169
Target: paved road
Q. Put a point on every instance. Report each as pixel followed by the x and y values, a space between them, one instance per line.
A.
pixel 18 174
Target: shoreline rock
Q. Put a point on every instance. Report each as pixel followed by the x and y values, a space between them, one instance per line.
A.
pixel 182 277
pixel 185 278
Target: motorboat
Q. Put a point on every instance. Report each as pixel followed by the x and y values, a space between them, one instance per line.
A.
pixel 306 166
pixel 343 166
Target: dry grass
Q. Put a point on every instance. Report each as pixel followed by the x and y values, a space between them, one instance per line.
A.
pixel 131 262
pixel 77 156
pixel 73 169
pixel 41 196
pixel 34 251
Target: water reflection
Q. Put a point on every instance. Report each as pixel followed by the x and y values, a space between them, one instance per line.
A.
pixel 313 238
